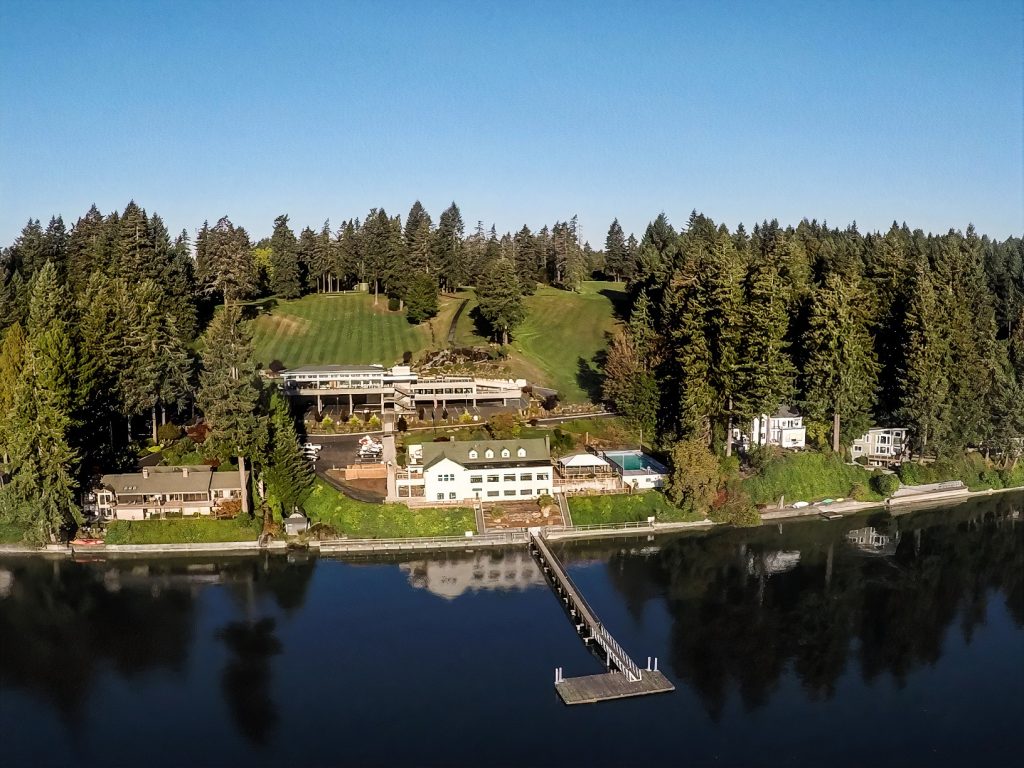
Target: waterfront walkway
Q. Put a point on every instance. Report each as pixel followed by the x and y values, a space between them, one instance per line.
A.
pixel 624 678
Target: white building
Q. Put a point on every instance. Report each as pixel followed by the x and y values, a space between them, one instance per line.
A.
pixel 785 429
pixel 160 491
pixel 881 446
pixel 488 470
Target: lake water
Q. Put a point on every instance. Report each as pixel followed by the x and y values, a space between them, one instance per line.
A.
pixel 865 641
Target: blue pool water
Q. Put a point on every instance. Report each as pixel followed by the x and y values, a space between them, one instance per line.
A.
pixel 635 462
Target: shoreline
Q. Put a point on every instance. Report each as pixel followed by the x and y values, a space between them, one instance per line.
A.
pixel 905 505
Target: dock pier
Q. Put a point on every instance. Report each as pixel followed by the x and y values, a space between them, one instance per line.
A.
pixel 624 678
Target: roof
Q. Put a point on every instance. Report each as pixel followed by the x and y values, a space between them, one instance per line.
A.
pixel 536 448
pixel 582 460
pixel 334 369
pixel 170 480
pixel 785 412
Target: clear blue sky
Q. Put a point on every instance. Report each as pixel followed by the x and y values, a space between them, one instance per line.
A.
pixel 521 112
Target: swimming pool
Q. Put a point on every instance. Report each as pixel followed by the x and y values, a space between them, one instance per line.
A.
pixel 635 461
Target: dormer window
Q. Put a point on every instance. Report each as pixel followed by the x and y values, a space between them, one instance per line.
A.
pixel 473 453
pixel 521 453
pixel 489 454
pixel 505 453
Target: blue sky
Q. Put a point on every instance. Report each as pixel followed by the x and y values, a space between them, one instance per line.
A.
pixel 521 112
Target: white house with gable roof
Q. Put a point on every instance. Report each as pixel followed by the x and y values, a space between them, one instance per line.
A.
pixel 785 428
pixel 485 470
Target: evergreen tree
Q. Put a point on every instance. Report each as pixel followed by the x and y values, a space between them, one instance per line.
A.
pixel 12 360
pixel 925 399
pixel 288 472
pixel 448 250
pixel 420 298
pixel 229 389
pixel 615 254
pixel 224 261
pixel 134 251
pixel 500 299
pixel 285 280
pixel 841 372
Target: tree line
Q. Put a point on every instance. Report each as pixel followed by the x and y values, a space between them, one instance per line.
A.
pixel 116 321
pixel 856 329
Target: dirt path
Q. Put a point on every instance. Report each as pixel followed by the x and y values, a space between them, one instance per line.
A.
pixel 455 322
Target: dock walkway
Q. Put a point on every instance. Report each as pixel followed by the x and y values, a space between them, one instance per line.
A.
pixel 624 678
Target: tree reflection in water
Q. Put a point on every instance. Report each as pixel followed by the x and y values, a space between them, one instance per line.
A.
pixel 748 605
pixel 246 677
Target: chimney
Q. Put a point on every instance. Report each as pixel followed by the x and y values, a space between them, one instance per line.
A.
pixel 145 472
pixel 184 471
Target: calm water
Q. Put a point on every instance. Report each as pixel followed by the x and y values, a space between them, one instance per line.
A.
pixel 868 641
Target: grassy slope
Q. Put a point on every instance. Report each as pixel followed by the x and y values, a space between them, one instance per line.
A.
pixel 343 328
pixel 560 330
pixel 383 521
pixel 807 476
pixel 563 332
pixel 591 510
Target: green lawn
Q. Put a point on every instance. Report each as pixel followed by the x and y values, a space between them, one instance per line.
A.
pixel 184 530
pixel 340 328
pixel 554 347
pixel 620 508
pixel 562 333
pixel 383 521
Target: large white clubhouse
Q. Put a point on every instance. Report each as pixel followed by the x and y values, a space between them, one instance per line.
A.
pixel 485 470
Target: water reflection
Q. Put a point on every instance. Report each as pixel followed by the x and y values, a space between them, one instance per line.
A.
pixel 815 597
pixel 493 570
pixel 62 623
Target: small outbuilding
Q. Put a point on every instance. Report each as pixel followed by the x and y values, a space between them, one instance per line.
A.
pixel 295 524
pixel 577 465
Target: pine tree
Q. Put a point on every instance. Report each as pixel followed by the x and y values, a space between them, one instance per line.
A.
pixel 840 377
pixel 229 389
pixel 134 252
pixel 925 384
pixel 615 255
pixel 39 422
pixel 500 299
pixel 420 298
pixel 448 249
pixel 285 280
pixel 12 360
pixel 224 261
pixel 288 473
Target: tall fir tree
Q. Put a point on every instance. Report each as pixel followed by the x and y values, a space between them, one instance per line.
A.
pixel 285 280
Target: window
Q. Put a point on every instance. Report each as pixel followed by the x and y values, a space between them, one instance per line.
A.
pixel 451 495
pixel 525 492
pixel 440 497
pixel 510 493
pixel 473 454
pixel 521 453
pixel 505 453
pixel 492 494
pixel 542 475
pixel 492 478
pixel 510 478
pixel 446 478
pixel 526 476
pixel 489 454
pixel 476 478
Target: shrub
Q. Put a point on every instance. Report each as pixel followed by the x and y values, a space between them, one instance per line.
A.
pixel 353 421
pixel 885 484
pixel 545 501
pixel 1012 477
pixel 862 460
pixel 393 304
pixel 466 418
pixel 402 425
pixel 168 433
pixel 991 478
pixel 504 426
pixel 859 492
pixel 327 424
pixel 374 422
pixel 695 476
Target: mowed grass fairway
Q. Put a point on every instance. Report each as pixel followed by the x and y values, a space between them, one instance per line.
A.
pixel 338 328
pixel 554 347
pixel 564 331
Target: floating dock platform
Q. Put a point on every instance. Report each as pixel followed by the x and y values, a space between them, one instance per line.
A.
pixel 624 678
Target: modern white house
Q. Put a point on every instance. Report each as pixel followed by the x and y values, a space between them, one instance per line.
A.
pixel 881 446
pixel 160 491
pixel 486 470
pixel 399 388
pixel 785 429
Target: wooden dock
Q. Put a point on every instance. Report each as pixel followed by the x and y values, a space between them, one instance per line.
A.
pixel 624 677
pixel 591 689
